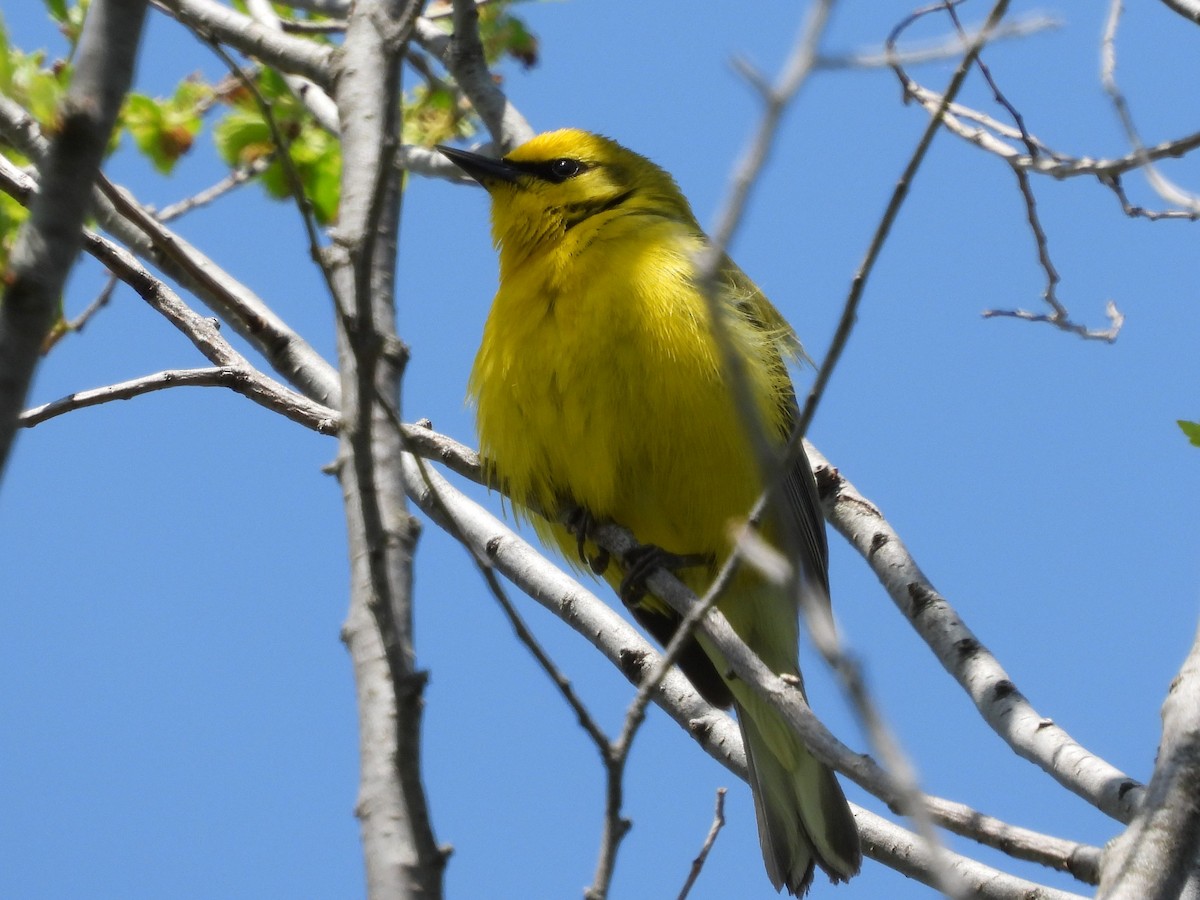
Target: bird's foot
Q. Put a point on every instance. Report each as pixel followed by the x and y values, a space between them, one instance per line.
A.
pixel 644 561
pixel 580 523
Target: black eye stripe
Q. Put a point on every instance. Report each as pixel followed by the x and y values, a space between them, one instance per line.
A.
pixel 553 170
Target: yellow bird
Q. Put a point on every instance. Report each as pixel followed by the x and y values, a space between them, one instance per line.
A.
pixel 598 385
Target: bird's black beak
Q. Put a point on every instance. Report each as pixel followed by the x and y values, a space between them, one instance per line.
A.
pixel 483 169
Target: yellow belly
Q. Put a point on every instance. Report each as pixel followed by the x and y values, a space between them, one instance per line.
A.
pixel 607 392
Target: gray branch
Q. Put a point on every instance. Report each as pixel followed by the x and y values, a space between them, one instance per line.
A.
pixel 1030 734
pixel 464 58
pixel 1155 856
pixel 245 381
pixel 292 55
pixel 1189 9
pixel 308 92
pixel 49 241
pixel 202 332
pixel 402 857
pixel 119 212
pixel 911 856
pixel 715 731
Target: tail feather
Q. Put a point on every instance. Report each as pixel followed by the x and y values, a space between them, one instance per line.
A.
pixel 803 818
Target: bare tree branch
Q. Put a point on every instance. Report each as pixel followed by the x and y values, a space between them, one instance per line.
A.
pixel 910 855
pixel 1002 705
pixel 464 58
pixel 709 839
pixel 1155 856
pixel 307 91
pixel 244 381
pixel 1169 191
pixel 247 313
pixel 987 136
pixel 899 194
pixel 303 203
pixel 80 322
pixel 202 332
pixel 1134 211
pixel 1035 157
pixel 293 55
pixel 952 47
pixel 50 239
pixel 401 854
pixel 1189 9
pixel 235 179
pixel 613 637
pixel 1059 317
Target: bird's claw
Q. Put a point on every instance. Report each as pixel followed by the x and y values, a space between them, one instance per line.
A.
pixel 580 523
pixel 642 562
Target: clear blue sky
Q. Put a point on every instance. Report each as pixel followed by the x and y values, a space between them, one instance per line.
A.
pixel 176 711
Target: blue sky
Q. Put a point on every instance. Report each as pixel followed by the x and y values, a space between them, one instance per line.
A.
pixel 177 713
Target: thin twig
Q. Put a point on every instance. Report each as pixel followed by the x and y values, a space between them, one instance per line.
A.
pixel 303 26
pixel 597 623
pixel 1134 211
pixel 883 229
pixel 1049 162
pixel 295 183
pixel 1116 320
pixel 249 315
pixel 202 332
pixel 1169 191
pixel 718 823
pixel 881 737
pixel 997 94
pixel 239 176
pixel 586 721
pixel 952 47
pixel 616 827
pixel 242 380
pixel 80 321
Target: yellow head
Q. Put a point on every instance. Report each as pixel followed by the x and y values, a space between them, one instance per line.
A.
pixel 562 179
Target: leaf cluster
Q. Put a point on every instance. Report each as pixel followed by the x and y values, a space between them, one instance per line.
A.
pixel 165 129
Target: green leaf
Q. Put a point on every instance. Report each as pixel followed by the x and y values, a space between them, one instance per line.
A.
pixel 243 137
pixel 435 116
pixel 164 130
pixel 503 34
pixel 69 17
pixel 1192 430
pixel 57 9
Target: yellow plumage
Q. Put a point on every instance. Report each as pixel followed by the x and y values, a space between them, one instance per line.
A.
pixel 598 384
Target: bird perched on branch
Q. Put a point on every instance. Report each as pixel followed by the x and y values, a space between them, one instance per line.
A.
pixel 600 386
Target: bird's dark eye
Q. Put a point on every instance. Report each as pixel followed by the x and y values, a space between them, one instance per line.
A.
pixel 562 169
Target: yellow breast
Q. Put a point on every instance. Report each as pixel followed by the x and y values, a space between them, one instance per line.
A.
pixel 598 383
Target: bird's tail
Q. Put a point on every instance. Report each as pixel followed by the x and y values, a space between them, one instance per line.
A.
pixel 803 817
